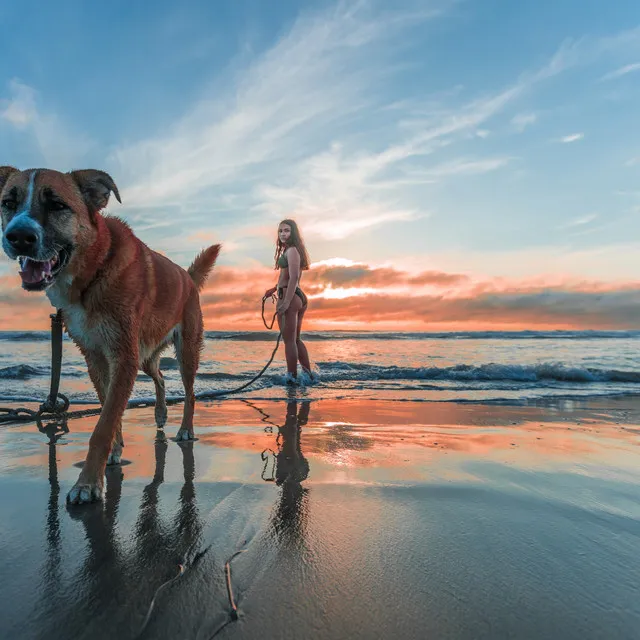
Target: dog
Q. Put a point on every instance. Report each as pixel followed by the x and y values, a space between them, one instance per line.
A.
pixel 122 303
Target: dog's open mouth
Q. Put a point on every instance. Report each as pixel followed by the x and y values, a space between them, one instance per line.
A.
pixel 38 275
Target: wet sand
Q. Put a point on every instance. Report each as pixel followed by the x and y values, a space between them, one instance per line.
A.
pixel 356 520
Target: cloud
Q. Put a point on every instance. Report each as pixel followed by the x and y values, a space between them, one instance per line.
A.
pixel 612 309
pixel 622 71
pixel 465 166
pixel 20 109
pixel 523 120
pixel 338 192
pixel 347 294
pixel 314 76
pixel 589 306
pixel 363 275
pixel 554 262
pixel 574 137
pixel 56 145
pixel 581 221
pixel 303 127
pixel 438 279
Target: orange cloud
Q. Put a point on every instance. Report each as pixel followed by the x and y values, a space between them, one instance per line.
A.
pixel 362 275
pixel 363 296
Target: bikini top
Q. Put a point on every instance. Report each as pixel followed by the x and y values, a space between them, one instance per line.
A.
pixel 283 261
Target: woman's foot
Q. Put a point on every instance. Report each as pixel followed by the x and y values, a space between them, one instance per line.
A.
pixel 309 376
pixel 291 379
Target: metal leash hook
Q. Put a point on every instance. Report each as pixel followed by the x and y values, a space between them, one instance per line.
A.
pixel 51 418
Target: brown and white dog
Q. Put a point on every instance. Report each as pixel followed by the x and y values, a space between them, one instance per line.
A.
pixel 122 303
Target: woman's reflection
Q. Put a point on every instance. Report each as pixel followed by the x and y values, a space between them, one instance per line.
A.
pixel 290 469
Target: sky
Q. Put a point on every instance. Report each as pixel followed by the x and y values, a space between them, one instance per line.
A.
pixel 452 164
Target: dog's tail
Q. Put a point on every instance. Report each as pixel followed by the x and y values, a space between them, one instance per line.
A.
pixel 202 265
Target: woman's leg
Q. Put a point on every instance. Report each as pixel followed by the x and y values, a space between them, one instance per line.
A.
pixel 303 354
pixel 289 334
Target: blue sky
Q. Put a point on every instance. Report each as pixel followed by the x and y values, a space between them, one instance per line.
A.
pixel 491 137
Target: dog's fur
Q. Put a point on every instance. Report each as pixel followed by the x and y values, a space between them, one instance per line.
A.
pixel 122 303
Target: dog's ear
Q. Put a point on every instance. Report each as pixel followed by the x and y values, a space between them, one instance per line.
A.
pixel 95 187
pixel 5 172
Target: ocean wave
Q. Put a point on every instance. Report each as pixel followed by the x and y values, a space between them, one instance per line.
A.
pixel 167 362
pixel 322 336
pixel 27 371
pixel 21 372
pixel 487 372
pixel 283 393
pixel 25 336
pixel 333 371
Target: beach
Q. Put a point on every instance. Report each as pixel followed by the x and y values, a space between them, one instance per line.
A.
pixel 387 254
pixel 355 518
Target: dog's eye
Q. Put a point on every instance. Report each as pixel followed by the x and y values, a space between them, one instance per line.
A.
pixel 9 204
pixel 57 205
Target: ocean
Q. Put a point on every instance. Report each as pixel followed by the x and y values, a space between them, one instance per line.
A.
pixel 501 367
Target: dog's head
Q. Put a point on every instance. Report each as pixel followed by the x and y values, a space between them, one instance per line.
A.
pixel 47 216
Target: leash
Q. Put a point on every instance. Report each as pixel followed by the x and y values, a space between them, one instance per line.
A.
pixel 53 413
pixel 54 409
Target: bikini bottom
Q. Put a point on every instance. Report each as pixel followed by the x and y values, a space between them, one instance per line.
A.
pixel 299 292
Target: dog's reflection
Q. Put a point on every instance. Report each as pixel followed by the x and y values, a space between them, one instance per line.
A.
pixel 288 470
pixel 130 554
pixel 119 574
pixel 151 533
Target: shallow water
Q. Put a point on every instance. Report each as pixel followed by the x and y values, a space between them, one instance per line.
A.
pixel 512 367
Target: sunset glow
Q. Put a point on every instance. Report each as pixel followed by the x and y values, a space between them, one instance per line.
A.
pixel 359 296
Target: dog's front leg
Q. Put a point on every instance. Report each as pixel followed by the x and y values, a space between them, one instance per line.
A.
pixel 98 367
pixel 122 376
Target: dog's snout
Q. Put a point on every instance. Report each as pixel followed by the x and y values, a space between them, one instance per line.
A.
pixel 23 239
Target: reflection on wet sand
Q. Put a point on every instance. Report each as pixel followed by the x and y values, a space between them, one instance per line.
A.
pixel 371 442
pixel 290 469
pixel 120 572
pixel 181 536
pixel 52 571
pixel 419 507
pixel 124 565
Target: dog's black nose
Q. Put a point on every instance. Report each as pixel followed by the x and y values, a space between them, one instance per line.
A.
pixel 23 240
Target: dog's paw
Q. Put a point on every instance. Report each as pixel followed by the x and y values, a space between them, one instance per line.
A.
pixel 184 435
pixel 115 456
pixel 161 416
pixel 83 493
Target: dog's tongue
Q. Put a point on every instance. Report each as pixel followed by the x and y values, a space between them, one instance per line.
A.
pixel 33 271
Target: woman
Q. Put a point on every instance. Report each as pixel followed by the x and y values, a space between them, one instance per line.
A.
pixel 292 259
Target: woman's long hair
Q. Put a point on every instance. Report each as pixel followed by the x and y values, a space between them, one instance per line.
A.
pixel 295 240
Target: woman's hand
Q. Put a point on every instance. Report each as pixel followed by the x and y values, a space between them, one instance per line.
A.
pixel 282 306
